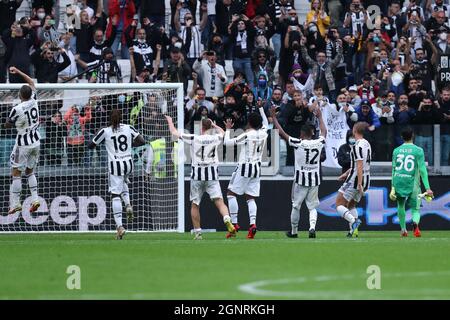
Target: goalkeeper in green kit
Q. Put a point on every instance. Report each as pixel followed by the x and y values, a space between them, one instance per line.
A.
pixel 408 165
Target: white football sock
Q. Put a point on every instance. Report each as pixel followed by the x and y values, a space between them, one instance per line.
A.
pixel 345 213
pixel 32 184
pixel 125 195
pixel 312 219
pixel 252 208
pixel 198 230
pixel 295 218
pixel 354 213
pixel 14 191
pixel 117 211
pixel 226 218
pixel 234 208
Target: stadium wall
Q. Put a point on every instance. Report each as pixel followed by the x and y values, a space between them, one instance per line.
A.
pixel 88 210
pixel 376 211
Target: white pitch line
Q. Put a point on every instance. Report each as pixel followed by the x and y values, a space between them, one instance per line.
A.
pixel 255 288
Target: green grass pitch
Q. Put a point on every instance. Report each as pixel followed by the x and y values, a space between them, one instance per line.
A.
pixel 173 266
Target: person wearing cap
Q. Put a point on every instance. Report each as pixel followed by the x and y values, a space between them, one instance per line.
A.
pixel 355 99
pixel 176 69
pixel 105 70
pixel 365 113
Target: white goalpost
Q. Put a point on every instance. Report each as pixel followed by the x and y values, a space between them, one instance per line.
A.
pixel 73 180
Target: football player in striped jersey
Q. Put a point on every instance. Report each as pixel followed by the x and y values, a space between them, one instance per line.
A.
pixel 204 176
pixel 246 178
pixel 25 155
pixel 307 171
pixel 357 179
pixel 119 139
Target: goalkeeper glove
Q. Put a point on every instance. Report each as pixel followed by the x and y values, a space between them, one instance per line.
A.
pixel 427 197
pixel 392 195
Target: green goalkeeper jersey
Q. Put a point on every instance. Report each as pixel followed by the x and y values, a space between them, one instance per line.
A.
pixel 408 165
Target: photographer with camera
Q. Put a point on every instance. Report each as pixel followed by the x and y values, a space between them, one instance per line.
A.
pixel 47 68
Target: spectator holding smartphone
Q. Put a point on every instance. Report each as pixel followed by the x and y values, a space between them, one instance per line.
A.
pixel 18 41
pixel 48 31
pixel 47 68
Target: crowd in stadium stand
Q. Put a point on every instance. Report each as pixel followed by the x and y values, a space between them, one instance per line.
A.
pixel 385 69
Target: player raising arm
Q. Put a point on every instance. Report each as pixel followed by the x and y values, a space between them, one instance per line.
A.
pixel 119 139
pixel 357 179
pixel 204 176
pixel 25 155
pixel 408 166
pixel 307 171
pixel 246 178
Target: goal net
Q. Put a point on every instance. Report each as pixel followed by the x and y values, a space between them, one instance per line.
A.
pixel 73 180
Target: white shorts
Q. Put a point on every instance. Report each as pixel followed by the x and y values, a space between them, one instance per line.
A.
pixel 198 188
pixel 300 193
pixel 25 157
pixel 242 185
pixel 349 192
pixel 118 184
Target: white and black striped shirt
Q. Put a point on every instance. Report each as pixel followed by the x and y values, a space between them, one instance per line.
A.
pixel 143 54
pixel 212 83
pixel 279 7
pixel 204 155
pixel 196 48
pixel 119 146
pixel 25 117
pixel 360 151
pixel 307 160
pixel 358 19
pixel 107 71
pixel 252 144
